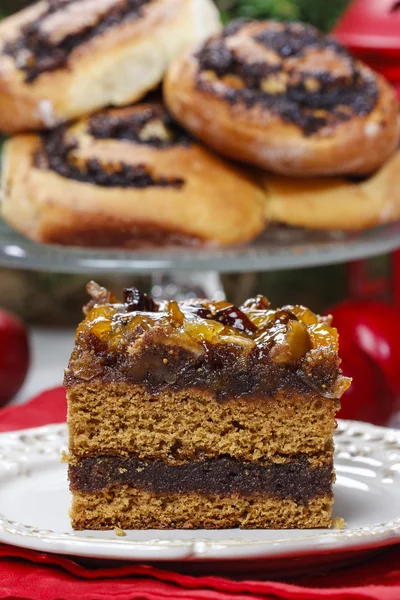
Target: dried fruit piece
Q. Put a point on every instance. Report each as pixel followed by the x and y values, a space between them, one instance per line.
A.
pixel 298 339
pixel 139 301
pixel 232 316
pixel 260 302
pixel 99 295
pixel 176 314
pixel 269 336
pixel 305 315
pixel 323 336
pixel 281 354
pixel 284 316
pixel 197 309
pixel 288 345
pixel 204 332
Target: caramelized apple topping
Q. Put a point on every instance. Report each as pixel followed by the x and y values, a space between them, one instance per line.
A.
pixel 295 329
pixel 298 339
pixel 176 315
pixel 194 341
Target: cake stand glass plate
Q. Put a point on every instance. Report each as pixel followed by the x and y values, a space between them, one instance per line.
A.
pixel 34 502
pixel 277 248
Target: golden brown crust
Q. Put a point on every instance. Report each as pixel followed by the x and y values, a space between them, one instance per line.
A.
pixel 335 203
pixel 92 186
pixel 115 66
pixel 313 112
pixel 129 508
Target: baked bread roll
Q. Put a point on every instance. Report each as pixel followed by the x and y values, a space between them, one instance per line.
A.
pixel 286 98
pixel 336 202
pixel 61 59
pixel 126 177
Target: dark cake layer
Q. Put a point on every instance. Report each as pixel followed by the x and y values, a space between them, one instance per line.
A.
pixel 162 368
pixel 222 476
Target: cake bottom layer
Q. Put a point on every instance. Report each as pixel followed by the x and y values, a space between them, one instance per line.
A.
pixel 129 508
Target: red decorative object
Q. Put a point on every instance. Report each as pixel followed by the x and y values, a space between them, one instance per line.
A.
pixel 375 328
pixel 371 26
pixel 371 31
pixel 14 355
pixel 369 397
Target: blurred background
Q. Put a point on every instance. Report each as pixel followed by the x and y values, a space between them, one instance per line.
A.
pixel 51 299
pixel 50 304
pixel 322 14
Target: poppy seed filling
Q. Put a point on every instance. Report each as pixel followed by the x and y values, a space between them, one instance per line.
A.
pixel 309 99
pixel 35 52
pixel 56 153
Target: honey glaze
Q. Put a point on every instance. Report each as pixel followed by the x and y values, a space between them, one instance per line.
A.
pixel 243 350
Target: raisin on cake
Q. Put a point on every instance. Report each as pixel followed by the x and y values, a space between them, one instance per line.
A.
pixel 200 414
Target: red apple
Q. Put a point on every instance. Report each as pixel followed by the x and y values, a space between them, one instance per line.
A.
pixel 369 397
pixel 14 355
pixel 375 327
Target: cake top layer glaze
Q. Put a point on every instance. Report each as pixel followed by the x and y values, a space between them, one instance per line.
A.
pixel 247 350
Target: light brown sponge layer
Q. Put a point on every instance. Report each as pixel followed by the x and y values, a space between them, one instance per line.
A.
pixel 192 424
pixel 129 508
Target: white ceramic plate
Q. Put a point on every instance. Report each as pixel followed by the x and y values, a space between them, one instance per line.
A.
pixel 34 502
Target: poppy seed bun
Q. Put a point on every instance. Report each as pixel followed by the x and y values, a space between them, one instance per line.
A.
pixel 61 59
pixel 286 98
pixel 127 177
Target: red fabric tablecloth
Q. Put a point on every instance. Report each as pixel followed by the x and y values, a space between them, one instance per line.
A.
pixel 38 576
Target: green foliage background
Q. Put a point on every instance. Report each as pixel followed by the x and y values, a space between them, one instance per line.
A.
pixel 322 13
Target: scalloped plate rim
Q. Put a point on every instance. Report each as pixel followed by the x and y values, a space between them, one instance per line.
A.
pixel 198 547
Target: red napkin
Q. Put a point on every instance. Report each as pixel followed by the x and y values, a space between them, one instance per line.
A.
pixel 38 576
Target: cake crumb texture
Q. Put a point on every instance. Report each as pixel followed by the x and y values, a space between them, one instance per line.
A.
pixel 119 419
pixel 338 523
pixel 128 508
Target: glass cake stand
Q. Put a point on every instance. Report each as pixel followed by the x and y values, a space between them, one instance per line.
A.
pixel 177 271
pixel 278 248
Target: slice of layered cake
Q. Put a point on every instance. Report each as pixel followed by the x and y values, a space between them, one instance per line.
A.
pixel 199 414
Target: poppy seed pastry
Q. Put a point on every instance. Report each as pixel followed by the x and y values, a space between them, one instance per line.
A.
pixel 200 414
pixel 61 59
pixel 127 177
pixel 335 202
pixel 286 98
